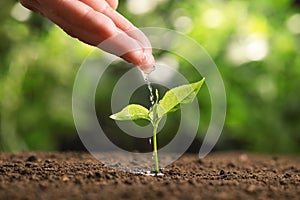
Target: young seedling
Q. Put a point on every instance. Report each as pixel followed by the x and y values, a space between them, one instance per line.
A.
pixel 169 103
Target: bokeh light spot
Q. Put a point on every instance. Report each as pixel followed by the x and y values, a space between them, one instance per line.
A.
pixel 140 7
pixel 256 50
pixel 183 24
pixel 20 13
pixel 212 18
pixel 293 23
pixel 253 48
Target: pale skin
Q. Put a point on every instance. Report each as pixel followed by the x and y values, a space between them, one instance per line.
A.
pixel 95 21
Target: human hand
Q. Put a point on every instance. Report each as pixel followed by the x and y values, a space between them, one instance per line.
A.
pixel 96 22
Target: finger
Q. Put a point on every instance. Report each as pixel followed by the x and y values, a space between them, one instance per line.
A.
pixel 96 28
pixel 147 61
pixel 31 5
pixel 123 24
pixel 92 27
pixel 120 21
pixel 81 16
pixel 113 3
pixel 83 35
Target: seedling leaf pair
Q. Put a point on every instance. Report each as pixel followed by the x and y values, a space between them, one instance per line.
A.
pixel 169 103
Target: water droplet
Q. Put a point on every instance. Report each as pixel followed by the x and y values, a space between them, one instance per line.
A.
pixel 150 140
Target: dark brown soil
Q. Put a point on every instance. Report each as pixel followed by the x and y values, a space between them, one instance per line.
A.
pixel 35 175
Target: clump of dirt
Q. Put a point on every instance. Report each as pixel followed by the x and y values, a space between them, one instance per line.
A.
pixel 231 175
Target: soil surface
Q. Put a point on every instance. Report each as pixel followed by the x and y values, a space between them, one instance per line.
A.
pixel 226 175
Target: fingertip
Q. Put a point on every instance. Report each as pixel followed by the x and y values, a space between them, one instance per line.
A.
pixel 141 59
pixel 146 63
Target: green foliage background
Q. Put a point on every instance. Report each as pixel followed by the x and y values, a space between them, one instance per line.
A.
pixel 38 64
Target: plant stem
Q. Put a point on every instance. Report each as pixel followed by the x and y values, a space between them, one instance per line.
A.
pixel 155 157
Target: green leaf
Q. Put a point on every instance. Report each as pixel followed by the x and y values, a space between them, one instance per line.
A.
pixel 132 112
pixel 177 107
pixel 179 95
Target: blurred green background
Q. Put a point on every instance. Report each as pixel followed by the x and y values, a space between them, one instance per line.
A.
pixel 255 44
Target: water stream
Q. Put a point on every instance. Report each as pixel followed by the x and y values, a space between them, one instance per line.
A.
pixel 146 78
pixel 152 101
